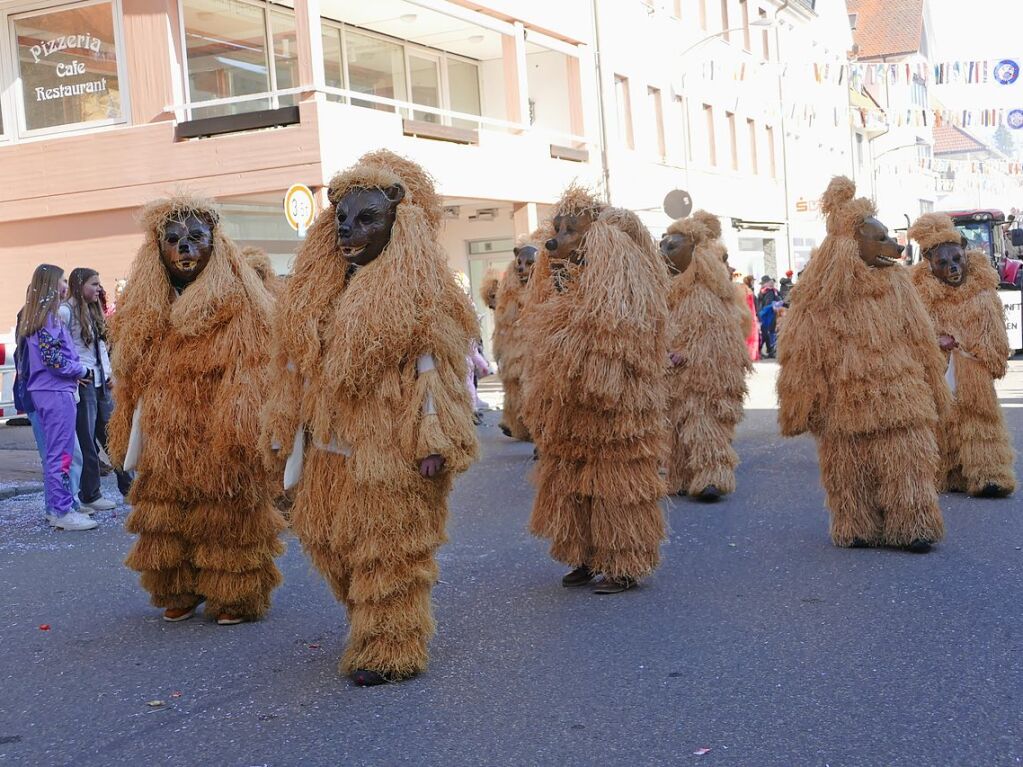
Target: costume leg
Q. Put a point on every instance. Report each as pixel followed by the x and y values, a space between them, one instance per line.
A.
pixel 393 571
pixel 626 538
pixel 234 543
pixel 512 404
pixel 161 553
pixel 848 480
pixel 560 514
pixel 905 462
pixel 985 453
pixel 710 456
pixel 680 473
pixel 626 522
pixel 326 488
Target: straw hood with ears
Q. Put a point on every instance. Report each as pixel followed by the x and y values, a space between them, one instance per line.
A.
pixel 933 229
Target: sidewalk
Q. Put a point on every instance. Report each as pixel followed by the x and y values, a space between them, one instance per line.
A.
pixel 20 470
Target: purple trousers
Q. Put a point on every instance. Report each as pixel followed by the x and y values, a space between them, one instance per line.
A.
pixel 57 413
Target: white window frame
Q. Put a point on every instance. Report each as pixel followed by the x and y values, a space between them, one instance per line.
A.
pixel 12 97
pixel 339 29
pixel 271 67
pixel 408 47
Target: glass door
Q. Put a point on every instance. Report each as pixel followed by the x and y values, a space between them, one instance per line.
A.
pixel 424 84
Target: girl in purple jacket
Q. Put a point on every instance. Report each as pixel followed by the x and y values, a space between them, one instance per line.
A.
pixel 54 371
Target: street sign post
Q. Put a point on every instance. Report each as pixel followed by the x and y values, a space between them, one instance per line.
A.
pixel 300 208
pixel 678 204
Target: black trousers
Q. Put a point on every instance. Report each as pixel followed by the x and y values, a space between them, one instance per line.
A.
pixel 95 404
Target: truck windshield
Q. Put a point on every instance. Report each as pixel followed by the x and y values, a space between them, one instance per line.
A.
pixel 978 235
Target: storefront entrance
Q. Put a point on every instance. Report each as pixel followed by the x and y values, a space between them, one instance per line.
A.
pixel 487 255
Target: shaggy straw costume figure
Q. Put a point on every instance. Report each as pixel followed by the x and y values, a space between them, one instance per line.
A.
pixel 861 371
pixel 596 398
pixel 979 456
pixel 707 331
pixel 371 365
pixel 490 288
pixel 260 261
pixel 198 362
pixel 510 348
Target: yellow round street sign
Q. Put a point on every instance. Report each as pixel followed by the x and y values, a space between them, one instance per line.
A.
pixel 299 207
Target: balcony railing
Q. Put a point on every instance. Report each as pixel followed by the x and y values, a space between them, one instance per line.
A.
pixel 183 112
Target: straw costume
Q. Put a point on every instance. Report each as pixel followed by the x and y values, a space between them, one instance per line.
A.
pixel 978 451
pixel 260 261
pixel 197 362
pixel 860 370
pixel 596 398
pixel 490 288
pixel 707 327
pixel 369 368
pixel 510 347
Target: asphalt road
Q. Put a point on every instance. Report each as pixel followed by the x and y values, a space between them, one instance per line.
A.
pixel 756 639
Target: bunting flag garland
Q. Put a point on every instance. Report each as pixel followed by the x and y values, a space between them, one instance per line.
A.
pixel 1003 71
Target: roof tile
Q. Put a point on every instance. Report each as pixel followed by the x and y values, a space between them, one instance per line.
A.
pixel 887 27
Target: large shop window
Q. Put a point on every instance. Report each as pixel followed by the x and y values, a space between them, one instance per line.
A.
pixel 68 64
pixel 228 56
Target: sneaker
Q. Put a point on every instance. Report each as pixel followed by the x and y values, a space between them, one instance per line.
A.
pixel 100 504
pixel 73 520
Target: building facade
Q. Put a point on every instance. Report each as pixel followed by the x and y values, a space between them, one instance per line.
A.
pixel 109 103
pixel 718 105
pixel 105 104
pixel 898 32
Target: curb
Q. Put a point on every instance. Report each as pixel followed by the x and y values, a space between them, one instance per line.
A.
pixel 16 490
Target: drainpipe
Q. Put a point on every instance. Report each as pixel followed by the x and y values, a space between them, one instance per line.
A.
pixel 600 103
pixel 784 141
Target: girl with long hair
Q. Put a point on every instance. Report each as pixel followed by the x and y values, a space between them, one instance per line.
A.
pixel 52 370
pixel 82 314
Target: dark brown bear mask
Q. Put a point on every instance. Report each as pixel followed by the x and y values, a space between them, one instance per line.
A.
pixel 677 250
pixel 569 232
pixel 185 248
pixel 948 263
pixel 877 248
pixel 364 219
pixel 525 259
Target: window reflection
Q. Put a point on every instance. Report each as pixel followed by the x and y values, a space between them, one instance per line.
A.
pixel 464 89
pixel 67 60
pixel 375 67
pixel 225 43
pixel 332 64
pixel 285 54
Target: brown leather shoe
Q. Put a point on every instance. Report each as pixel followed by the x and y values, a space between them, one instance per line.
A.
pixel 578 577
pixel 608 585
pixel 226 619
pixel 177 614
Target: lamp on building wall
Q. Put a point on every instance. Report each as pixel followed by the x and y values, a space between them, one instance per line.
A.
pixel 763 22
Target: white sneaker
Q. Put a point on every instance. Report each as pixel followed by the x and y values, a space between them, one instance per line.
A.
pixel 100 504
pixel 73 520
